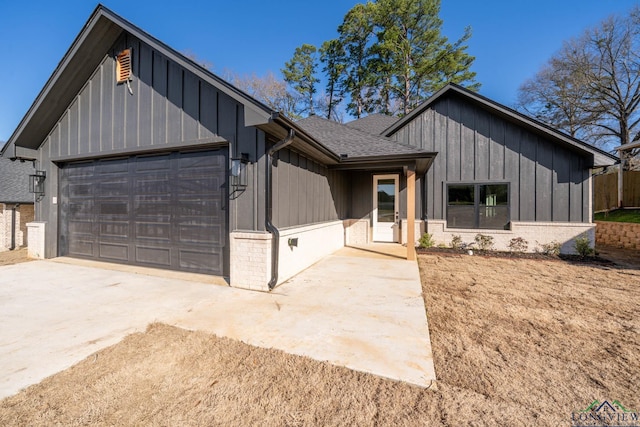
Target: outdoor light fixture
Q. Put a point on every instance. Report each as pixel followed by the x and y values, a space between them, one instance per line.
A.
pixel 239 171
pixel 36 183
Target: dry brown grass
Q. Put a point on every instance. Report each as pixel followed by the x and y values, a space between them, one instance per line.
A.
pixel 13 257
pixel 516 342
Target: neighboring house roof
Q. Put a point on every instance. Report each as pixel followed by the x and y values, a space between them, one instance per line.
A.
pixel 373 123
pixel 601 157
pixel 14 181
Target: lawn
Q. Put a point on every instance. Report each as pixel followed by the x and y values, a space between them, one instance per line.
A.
pixel 515 341
pixel 619 215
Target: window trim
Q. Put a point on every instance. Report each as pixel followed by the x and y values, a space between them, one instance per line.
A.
pixel 476 206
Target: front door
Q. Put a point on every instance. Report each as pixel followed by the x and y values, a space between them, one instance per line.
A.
pixel 385 208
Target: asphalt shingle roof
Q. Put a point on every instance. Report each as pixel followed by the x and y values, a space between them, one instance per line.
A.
pixel 373 123
pixel 14 181
pixel 342 139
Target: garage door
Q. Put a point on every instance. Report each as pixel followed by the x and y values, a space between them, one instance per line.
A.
pixel 165 211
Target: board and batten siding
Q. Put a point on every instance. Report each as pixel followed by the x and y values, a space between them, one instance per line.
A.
pixel 168 107
pixel 547 181
pixel 306 192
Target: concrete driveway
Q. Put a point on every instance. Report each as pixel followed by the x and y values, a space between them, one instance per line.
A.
pixel 353 308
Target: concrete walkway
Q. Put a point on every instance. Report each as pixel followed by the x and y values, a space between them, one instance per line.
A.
pixel 355 308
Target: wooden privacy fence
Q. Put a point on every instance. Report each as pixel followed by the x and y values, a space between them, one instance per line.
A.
pixel 605 190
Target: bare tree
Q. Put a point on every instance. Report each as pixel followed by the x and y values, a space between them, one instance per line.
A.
pixel 268 89
pixel 591 88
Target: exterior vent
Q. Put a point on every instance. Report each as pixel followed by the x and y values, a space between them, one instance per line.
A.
pixel 123 66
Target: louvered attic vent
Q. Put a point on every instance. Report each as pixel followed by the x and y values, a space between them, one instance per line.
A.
pixel 123 66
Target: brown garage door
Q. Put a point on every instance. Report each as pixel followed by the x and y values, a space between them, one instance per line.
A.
pixel 165 211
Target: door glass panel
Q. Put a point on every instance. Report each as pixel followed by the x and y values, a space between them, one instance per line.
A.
pixel 386 200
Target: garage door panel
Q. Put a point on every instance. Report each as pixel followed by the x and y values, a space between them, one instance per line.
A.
pixel 154 231
pixel 157 256
pixel 197 260
pixel 114 251
pixel 82 247
pixel 157 210
pixel 114 229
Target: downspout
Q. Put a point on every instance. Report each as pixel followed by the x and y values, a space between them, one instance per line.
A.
pixel 268 224
pixel 13 227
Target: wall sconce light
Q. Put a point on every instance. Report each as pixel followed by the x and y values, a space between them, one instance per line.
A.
pixel 239 171
pixel 36 183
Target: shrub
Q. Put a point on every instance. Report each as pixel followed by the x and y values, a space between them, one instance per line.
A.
pixel 582 245
pixel 518 244
pixel 426 241
pixel 456 242
pixel 551 248
pixel 484 242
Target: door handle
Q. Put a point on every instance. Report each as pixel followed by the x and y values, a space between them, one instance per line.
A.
pixel 397 217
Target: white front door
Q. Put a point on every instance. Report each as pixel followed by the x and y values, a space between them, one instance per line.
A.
pixel 385 208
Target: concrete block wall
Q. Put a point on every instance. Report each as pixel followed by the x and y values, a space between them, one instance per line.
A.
pixel 250 259
pixel 5 228
pixel 535 233
pixel 35 234
pixel 618 234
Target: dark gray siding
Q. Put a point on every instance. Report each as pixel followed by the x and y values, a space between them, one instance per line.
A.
pixel 170 109
pixel 305 192
pixel 361 195
pixel 548 182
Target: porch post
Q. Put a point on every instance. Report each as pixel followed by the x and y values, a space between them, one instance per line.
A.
pixel 411 214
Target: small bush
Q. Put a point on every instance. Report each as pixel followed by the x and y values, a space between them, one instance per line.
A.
pixel 456 242
pixel 518 244
pixel 426 241
pixel 551 248
pixel 582 245
pixel 484 242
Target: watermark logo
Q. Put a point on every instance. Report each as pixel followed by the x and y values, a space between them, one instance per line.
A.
pixel 605 413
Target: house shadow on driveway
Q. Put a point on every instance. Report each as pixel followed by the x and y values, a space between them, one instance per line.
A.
pixel 351 310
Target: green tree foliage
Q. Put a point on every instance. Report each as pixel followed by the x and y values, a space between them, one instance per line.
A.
pixel 389 56
pixel 300 73
pixel 412 58
pixel 591 87
pixel 332 57
pixel 355 35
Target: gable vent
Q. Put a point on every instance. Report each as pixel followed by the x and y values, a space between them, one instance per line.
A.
pixel 123 66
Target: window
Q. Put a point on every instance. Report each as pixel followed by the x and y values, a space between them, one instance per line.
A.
pixel 478 206
pixel 123 66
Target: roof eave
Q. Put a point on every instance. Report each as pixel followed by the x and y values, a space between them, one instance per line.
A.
pixel 103 28
pixel 507 113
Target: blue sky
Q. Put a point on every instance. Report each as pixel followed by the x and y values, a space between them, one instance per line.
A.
pixel 511 39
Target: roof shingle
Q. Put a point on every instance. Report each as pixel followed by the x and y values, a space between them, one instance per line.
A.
pixel 373 123
pixel 342 139
pixel 14 181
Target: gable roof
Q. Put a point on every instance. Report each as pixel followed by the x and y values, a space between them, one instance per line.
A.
pixel 86 52
pixel 14 181
pixel 600 157
pixel 358 149
pixel 345 140
pixel 373 123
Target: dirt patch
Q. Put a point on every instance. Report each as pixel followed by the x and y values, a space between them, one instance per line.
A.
pixel 515 342
pixel 14 257
pixel 533 340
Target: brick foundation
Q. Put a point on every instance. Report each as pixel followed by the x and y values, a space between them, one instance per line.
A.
pixel 36 239
pixel 250 255
pixel 618 234
pixel 535 233
pixel 5 227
